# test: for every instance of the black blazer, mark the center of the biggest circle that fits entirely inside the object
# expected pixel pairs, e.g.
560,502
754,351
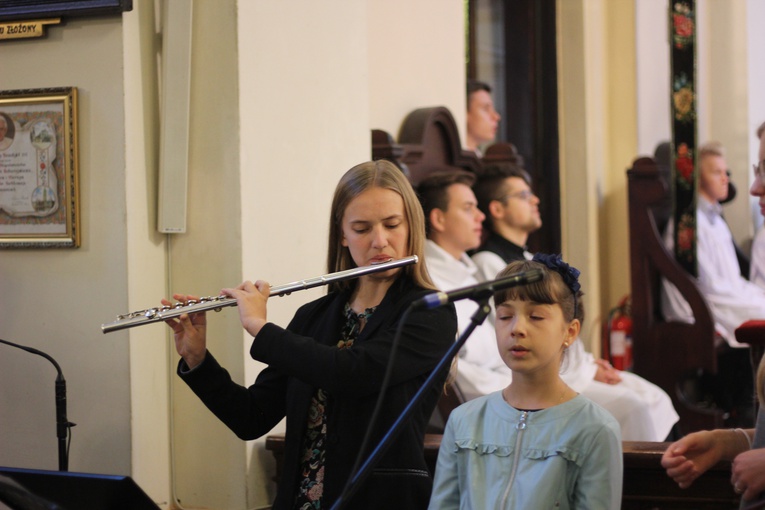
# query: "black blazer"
305,357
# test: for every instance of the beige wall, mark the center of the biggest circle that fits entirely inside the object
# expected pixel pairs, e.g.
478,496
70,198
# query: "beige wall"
146,276
55,299
652,68
208,257
610,114
724,103
622,148
583,93
414,68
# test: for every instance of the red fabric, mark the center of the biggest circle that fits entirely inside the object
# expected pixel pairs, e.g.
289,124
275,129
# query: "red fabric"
751,332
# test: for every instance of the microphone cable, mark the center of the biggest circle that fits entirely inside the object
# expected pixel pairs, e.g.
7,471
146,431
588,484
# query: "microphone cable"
350,485
355,479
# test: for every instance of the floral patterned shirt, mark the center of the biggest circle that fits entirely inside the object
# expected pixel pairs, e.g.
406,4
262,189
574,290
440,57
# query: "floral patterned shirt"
311,486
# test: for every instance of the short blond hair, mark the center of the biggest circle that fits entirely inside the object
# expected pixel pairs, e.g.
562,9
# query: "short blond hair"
711,149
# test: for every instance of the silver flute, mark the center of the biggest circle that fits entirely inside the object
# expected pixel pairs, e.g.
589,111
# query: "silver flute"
141,317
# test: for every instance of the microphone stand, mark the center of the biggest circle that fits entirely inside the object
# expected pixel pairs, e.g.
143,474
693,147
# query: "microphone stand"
62,424
356,478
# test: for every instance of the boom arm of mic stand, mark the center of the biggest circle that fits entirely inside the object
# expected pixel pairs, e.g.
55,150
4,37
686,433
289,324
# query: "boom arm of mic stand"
62,423
356,478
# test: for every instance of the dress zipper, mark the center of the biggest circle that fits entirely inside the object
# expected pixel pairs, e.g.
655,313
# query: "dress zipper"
520,427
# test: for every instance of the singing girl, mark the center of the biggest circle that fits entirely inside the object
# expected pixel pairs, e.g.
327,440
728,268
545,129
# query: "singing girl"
537,443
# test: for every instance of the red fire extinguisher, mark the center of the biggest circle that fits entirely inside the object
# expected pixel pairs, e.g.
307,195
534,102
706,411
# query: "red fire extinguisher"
619,335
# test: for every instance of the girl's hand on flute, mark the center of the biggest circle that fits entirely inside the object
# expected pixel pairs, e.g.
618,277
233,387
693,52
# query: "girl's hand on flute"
251,301
190,332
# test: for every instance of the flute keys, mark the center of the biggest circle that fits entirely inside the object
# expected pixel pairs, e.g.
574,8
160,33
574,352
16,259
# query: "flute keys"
213,299
133,315
216,303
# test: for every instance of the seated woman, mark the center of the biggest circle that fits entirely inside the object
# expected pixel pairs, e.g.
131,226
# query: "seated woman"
325,370
537,443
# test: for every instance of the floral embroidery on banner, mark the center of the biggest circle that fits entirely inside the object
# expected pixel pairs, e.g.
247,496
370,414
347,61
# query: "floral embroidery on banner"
683,26
683,99
686,237
684,129
684,165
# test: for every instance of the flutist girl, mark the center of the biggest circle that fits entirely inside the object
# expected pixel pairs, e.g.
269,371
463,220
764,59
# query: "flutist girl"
325,369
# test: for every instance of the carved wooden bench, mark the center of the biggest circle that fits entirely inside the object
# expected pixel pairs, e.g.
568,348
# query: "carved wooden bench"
646,484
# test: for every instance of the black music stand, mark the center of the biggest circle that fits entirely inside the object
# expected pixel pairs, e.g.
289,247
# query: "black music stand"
82,491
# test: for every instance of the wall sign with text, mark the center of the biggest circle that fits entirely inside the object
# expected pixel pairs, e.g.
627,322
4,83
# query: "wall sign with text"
21,19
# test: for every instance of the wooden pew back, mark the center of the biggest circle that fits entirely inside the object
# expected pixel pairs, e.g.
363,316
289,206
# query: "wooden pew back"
665,352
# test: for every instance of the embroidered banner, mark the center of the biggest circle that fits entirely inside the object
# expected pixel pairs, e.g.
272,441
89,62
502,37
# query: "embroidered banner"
684,131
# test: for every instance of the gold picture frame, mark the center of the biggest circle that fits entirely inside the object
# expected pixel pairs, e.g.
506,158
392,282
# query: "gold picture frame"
39,189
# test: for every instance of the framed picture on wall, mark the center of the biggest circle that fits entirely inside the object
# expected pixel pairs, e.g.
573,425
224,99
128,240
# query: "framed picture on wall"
39,190
30,9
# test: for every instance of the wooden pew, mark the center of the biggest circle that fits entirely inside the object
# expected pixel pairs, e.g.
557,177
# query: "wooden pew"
665,352
427,142
646,484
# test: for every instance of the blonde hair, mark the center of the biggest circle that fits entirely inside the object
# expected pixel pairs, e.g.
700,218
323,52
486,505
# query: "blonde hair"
711,149
376,174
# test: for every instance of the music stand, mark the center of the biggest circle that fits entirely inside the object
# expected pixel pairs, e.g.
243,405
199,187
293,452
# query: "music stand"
82,491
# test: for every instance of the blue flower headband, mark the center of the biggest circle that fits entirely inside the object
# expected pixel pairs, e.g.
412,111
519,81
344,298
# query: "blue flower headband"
569,274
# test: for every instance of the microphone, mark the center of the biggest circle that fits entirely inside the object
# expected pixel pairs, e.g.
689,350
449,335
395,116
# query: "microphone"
479,291
63,425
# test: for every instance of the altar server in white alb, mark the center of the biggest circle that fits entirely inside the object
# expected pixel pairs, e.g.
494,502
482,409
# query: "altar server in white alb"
453,226
644,411
732,298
